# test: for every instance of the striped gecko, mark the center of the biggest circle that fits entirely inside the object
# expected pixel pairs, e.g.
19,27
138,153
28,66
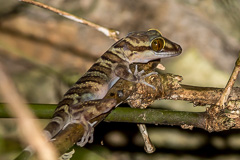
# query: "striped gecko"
83,101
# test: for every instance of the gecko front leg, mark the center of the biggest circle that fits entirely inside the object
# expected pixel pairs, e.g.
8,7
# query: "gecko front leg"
142,77
122,70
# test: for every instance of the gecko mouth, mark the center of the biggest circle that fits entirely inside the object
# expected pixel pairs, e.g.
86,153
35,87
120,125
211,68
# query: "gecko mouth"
166,54
170,50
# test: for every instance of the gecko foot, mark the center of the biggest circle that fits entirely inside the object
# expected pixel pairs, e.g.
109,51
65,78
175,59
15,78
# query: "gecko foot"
141,78
67,156
88,134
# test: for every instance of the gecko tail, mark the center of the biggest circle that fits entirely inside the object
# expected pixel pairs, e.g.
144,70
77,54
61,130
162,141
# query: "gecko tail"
26,153
57,123
52,129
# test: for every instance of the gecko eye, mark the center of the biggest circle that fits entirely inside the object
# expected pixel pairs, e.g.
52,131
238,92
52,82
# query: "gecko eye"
158,44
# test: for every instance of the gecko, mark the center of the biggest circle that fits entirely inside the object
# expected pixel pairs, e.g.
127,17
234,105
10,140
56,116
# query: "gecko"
84,100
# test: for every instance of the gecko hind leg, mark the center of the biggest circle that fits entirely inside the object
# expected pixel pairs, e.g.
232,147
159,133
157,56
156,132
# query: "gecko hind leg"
88,133
90,136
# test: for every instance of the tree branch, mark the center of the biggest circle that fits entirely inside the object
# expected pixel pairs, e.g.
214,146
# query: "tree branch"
168,87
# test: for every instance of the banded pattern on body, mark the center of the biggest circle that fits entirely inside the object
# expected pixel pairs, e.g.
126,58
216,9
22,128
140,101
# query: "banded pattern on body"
94,84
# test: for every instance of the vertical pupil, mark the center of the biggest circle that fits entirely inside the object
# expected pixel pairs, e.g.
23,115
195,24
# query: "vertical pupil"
156,44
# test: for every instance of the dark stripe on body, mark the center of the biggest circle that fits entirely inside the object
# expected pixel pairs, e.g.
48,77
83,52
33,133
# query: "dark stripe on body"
111,57
99,80
65,101
101,69
80,81
132,47
82,90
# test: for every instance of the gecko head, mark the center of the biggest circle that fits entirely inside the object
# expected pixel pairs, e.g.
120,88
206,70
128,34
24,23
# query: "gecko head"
162,46
150,45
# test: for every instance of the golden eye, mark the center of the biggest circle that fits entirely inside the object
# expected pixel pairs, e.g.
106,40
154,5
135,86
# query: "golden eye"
158,44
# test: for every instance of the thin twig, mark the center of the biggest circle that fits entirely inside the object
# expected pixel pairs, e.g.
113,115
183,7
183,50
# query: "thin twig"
224,97
148,145
29,128
108,32
218,119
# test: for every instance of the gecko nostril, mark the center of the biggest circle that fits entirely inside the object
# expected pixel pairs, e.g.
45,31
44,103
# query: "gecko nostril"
179,48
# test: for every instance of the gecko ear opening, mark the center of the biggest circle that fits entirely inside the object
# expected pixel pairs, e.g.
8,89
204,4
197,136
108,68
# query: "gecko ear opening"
158,44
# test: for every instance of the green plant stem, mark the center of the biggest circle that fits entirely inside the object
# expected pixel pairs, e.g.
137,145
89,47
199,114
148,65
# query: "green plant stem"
156,116
127,114
42,111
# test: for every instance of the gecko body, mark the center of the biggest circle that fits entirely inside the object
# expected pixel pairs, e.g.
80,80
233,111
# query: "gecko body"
83,101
